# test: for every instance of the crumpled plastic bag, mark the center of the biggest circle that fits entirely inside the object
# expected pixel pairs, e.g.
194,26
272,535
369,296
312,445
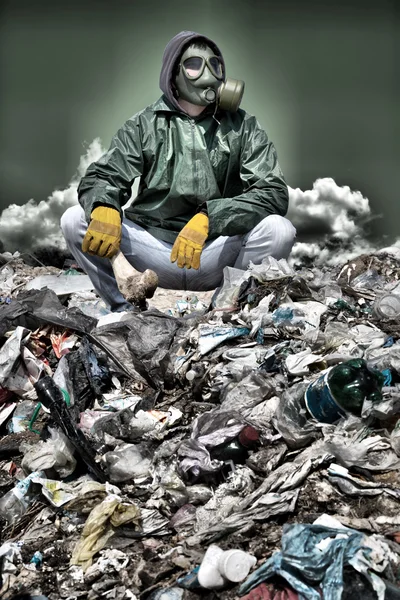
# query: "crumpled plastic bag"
293,420
316,554
10,557
270,269
265,460
99,528
225,498
80,495
209,430
110,561
395,438
247,393
261,416
357,486
19,368
56,453
386,408
168,484
229,291
294,317
133,425
32,308
266,506
289,475
151,342
126,462
212,335
22,416
277,494
373,453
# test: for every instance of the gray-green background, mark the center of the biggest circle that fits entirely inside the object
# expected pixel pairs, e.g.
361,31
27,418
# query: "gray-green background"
321,77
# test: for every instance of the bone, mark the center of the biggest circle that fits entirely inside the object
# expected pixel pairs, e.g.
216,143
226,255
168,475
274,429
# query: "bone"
133,285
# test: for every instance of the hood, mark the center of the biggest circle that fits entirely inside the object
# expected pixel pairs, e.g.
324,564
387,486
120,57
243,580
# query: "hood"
172,52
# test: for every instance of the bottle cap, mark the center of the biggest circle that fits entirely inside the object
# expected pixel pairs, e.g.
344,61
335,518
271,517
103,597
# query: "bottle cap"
248,436
235,565
193,372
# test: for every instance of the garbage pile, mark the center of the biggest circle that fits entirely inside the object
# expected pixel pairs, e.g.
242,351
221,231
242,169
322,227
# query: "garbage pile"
243,448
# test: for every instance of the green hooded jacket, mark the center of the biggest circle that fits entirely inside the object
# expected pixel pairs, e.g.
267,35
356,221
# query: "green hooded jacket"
227,162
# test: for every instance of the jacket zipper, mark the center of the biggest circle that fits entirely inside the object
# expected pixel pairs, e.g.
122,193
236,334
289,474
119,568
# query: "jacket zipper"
194,157
194,187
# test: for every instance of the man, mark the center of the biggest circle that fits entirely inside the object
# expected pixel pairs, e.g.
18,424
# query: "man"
211,191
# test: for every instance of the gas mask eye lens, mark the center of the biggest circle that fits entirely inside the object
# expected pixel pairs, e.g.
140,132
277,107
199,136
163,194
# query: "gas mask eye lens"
193,66
216,66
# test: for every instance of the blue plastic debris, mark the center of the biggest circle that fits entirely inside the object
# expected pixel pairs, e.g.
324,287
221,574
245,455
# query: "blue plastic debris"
313,556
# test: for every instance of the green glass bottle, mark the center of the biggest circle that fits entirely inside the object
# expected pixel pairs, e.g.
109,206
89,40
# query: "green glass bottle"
353,382
342,390
237,450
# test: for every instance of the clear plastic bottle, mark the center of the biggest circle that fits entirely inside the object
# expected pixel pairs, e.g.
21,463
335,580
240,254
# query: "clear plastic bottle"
387,306
15,502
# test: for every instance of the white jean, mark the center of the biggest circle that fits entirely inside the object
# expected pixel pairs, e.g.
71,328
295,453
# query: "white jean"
273,236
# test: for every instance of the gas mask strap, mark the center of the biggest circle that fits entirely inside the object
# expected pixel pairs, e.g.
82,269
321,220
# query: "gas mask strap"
214,117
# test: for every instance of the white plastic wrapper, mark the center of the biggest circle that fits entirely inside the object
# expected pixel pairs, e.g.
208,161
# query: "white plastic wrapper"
212,336
56,453
19,368
61,284
126,463
80,495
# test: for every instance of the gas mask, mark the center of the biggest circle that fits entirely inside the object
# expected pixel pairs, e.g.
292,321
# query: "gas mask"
201,80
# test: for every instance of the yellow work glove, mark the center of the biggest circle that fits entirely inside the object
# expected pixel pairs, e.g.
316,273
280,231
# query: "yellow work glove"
103,236
190,242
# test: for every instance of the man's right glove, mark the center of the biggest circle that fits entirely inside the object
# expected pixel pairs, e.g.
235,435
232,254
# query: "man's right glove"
103,236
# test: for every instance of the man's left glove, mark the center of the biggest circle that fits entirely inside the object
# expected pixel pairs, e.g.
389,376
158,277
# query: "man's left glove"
190,242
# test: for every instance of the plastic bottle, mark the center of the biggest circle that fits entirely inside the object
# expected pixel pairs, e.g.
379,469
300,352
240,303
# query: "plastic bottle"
194,372
387,306
237,450
235,565
220,567
342,389
12,506
37,559
15,502
331,292
370,280
93,309
52,397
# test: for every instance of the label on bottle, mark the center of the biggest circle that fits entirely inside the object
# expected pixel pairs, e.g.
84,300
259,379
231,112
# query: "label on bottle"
320,402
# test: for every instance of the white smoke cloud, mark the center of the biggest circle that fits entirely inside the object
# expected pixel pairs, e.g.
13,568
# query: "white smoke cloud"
334,218
33,224
329,218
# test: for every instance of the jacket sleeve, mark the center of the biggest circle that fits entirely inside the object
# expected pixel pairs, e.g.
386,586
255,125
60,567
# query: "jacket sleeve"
264,188
108,181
